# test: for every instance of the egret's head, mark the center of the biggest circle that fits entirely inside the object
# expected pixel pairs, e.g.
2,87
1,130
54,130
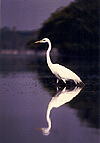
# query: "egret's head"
45,131
44,40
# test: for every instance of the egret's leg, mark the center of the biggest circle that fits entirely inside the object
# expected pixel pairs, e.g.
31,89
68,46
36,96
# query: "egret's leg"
64,81
57,80
57,89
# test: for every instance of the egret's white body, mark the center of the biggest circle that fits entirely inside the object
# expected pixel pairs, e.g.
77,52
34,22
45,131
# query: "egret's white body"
61,72
58,100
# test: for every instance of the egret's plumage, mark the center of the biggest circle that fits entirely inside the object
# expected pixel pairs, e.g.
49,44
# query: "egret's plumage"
61,72
61,97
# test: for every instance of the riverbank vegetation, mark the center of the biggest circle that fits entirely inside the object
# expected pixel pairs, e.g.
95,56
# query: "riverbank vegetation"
73,30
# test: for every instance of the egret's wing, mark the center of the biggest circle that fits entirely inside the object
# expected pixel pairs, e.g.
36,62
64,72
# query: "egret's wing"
64,73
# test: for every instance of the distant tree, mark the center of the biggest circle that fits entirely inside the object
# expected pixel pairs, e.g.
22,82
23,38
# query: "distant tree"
15,40
5,28
14,28
74,26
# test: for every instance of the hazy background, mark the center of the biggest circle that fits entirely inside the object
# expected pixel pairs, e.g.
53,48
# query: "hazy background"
28,14
26,83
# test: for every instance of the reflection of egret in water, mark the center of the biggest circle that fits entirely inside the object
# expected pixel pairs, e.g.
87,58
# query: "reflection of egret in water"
59,99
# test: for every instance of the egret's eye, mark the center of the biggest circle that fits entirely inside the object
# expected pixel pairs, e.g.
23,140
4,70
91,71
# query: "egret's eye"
43,40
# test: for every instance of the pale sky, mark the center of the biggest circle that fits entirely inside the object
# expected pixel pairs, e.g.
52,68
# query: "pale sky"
28,14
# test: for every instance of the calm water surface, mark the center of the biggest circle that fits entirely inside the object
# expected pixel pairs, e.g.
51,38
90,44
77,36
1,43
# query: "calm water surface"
28,94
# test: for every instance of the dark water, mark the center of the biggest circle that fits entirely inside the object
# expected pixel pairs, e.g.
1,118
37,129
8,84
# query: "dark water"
28,94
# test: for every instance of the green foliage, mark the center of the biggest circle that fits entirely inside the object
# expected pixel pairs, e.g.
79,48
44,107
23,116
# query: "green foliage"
15,40
74,27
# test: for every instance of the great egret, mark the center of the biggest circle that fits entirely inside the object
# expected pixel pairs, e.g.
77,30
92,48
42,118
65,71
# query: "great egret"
61,97
61,72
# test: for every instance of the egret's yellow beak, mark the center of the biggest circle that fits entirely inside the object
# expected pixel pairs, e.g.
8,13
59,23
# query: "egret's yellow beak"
38,128
37,42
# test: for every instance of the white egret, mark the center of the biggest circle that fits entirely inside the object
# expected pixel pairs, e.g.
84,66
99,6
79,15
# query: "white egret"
58,100
61,72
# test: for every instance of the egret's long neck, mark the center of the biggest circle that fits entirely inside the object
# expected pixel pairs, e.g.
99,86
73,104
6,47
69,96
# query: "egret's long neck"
48,117
48,54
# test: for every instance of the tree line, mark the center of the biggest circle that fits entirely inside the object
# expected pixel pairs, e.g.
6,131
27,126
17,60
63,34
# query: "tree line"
73,30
